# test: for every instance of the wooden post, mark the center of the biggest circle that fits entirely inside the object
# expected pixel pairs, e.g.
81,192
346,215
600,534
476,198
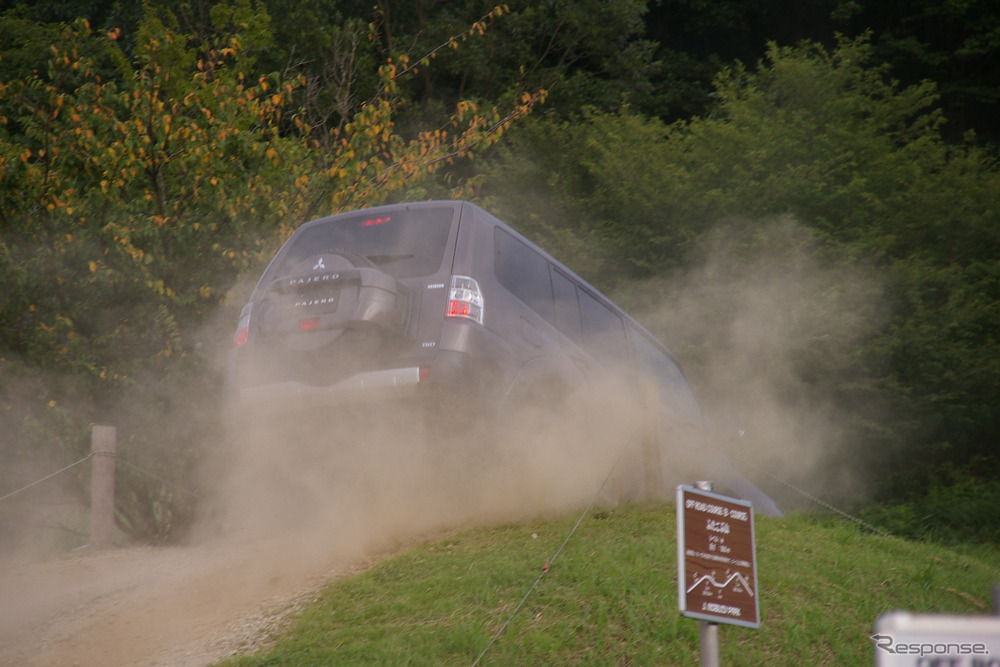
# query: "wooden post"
102,487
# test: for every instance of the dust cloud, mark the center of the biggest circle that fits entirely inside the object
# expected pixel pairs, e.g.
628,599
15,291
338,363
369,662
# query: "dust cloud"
41,509
372,477
766,329
769,333
365,477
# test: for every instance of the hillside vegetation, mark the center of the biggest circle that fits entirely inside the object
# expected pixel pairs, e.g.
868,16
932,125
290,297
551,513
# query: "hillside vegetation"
610,597
812,226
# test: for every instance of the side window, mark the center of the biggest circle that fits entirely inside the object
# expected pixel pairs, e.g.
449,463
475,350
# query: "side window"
567,306
524,272
603,331
663,376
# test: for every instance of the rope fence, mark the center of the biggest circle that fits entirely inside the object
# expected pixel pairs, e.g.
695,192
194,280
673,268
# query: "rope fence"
118,459
551,560
822,503
46,478
104,458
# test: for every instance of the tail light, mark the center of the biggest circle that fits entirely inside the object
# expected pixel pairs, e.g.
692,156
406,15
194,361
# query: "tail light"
243,328
465,299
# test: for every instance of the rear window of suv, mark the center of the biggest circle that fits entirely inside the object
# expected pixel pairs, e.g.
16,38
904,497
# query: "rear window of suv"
403,243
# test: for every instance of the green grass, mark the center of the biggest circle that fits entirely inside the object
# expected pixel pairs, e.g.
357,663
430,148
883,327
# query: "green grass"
610,598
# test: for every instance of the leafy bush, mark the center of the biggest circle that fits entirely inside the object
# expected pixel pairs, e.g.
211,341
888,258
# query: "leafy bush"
957,508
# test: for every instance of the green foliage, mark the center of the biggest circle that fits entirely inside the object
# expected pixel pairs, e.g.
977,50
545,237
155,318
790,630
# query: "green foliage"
660,56
956,509
611,597
584,52
332,53
951,43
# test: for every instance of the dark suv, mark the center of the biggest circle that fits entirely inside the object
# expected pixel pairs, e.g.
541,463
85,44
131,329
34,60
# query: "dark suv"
438,301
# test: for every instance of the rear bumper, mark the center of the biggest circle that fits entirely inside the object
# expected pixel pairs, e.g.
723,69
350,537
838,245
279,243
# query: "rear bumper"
452,380
465,371
401,381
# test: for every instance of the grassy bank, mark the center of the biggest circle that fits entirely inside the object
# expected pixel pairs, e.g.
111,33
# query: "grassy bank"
610,597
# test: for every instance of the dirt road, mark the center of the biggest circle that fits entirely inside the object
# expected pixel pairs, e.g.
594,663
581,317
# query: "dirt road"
171,606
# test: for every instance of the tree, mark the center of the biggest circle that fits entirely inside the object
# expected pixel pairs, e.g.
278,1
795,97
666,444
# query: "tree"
952,43
133,204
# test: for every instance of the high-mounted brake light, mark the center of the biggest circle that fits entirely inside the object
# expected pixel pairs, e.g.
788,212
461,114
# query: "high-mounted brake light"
242,335
309,324
465,299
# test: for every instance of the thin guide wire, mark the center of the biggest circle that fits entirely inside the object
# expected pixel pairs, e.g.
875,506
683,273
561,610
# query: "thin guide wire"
47,477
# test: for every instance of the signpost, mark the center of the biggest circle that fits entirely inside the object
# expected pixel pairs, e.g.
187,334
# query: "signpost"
716,557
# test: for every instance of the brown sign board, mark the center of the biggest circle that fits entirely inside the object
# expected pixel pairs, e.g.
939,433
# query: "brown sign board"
716,558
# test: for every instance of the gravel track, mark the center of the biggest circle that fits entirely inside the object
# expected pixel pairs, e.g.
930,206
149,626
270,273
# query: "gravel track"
176,606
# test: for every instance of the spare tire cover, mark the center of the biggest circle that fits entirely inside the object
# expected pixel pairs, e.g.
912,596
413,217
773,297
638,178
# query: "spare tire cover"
320,298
